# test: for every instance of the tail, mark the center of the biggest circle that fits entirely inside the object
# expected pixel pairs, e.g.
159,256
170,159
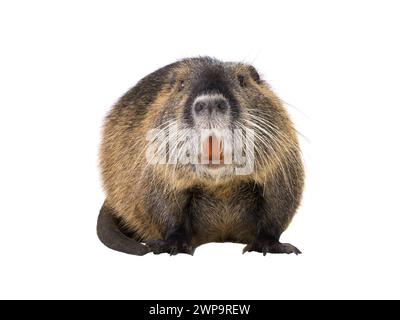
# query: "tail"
111,235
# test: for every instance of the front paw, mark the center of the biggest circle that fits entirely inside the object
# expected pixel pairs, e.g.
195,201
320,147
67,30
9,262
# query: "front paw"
270,246
171,246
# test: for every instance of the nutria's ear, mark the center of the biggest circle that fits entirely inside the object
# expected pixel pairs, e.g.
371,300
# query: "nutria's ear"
254,74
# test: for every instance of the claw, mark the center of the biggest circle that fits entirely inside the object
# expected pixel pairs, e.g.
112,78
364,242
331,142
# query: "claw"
171,247
246,249
269,246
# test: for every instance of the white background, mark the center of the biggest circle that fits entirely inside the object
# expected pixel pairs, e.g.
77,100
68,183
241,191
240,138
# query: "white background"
64,63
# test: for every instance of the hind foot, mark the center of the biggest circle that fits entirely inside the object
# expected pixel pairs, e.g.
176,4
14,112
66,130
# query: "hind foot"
171,246
270,246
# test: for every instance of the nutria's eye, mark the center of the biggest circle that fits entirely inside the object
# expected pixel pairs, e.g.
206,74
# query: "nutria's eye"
181,85
242,80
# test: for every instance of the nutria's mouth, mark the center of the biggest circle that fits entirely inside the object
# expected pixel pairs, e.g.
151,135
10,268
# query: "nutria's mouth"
214,166
213,152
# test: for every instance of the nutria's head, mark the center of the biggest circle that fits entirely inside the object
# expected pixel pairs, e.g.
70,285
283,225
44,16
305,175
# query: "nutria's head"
214,111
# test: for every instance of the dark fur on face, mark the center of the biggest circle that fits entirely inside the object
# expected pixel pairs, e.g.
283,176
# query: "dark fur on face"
174,208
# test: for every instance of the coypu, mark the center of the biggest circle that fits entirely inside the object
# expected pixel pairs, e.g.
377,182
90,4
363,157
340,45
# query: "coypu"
176,206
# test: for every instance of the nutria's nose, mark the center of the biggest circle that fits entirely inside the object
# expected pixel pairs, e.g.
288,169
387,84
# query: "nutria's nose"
209,104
